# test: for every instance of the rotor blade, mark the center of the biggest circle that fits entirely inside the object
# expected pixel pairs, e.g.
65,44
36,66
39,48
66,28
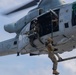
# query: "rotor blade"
33,3
37,0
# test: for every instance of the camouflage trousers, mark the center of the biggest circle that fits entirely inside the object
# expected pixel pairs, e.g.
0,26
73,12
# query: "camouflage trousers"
54,60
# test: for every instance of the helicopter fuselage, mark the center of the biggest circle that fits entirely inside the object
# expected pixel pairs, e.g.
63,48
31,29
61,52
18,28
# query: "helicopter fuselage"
62,32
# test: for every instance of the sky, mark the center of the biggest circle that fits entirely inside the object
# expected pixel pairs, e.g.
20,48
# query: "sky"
26,65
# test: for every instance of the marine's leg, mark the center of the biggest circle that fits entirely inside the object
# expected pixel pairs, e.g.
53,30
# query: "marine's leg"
54,60
39,38
59,58
32,42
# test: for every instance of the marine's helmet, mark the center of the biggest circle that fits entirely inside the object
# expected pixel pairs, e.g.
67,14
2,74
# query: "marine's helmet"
49,40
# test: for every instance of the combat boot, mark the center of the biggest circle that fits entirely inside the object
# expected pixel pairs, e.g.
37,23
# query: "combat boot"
55,72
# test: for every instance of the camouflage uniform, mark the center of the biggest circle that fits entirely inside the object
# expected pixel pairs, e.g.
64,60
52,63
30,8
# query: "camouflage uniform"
32,35
37,30
51,55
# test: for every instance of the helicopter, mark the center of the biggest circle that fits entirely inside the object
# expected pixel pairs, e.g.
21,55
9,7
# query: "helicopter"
62,31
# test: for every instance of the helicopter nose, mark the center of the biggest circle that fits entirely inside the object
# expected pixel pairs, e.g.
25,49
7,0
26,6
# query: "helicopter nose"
9,28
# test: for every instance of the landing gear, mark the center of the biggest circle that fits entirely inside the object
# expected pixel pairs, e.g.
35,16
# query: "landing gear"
55,74
70,58
18,53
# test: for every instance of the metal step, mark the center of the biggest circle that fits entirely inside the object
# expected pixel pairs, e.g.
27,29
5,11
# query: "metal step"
66,59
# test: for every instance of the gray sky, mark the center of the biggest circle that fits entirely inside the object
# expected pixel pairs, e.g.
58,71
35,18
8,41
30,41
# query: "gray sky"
26,65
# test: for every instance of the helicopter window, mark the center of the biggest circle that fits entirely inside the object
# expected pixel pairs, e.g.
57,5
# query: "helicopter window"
46,23
67,10
15,42
74,15
40,11
25,23
66,25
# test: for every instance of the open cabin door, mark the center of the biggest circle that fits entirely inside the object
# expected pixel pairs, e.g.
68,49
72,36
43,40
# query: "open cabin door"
47,27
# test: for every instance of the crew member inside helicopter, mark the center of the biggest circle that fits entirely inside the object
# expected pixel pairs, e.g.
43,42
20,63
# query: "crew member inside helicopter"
34,33
51,55
37,30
